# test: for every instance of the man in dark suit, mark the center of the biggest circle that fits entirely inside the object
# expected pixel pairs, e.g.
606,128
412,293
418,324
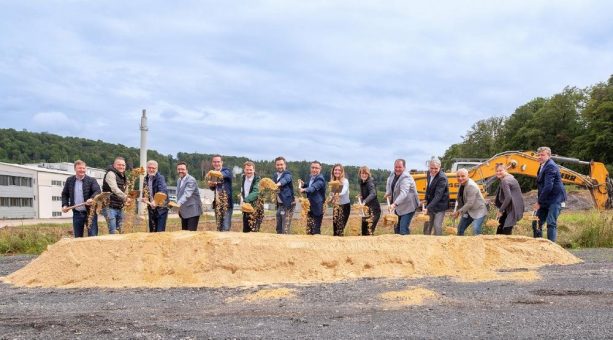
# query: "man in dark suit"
155,183
79,189
551,194
437,198
188,199
223,204
285,198
315,189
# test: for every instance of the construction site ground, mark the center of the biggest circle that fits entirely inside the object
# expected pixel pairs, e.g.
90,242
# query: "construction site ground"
573,301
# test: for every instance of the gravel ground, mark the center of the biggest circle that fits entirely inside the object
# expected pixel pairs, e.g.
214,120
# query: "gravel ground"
569,302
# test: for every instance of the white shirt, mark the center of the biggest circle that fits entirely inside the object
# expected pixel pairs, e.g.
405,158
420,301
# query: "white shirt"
247,185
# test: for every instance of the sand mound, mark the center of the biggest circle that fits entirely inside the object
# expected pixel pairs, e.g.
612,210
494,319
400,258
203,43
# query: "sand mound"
265,294
212,259
413,296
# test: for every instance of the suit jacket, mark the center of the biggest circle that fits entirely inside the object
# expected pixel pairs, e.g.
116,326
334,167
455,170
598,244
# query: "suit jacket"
437,193
510,200
405,193
158,185
549,184
188,197
471,201
254,189
91,188
316,193
286,190
226,186
368,191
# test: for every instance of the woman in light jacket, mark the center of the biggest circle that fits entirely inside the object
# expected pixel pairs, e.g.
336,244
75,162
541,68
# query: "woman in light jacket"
470,204
342,205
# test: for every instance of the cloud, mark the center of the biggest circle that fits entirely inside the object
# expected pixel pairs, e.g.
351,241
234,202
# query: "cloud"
54,121
352,82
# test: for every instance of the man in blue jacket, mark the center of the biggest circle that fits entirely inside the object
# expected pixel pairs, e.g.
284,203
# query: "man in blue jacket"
551,194
155,183
223,203
285,197
315,189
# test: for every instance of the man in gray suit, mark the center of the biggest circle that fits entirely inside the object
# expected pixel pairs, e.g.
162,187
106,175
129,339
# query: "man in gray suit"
188,199
470,203
402,193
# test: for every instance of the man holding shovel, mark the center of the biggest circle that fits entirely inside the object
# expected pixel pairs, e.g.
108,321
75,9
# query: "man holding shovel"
78,194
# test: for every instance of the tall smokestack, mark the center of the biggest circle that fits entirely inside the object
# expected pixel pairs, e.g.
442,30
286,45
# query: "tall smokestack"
143,155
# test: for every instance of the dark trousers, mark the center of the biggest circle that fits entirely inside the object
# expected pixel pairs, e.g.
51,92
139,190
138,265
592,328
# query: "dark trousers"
339,222
247,218
375,215
157,219
190,223
501,229
79,219
314,223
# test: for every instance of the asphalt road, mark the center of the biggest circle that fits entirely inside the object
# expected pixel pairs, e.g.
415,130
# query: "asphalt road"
570,302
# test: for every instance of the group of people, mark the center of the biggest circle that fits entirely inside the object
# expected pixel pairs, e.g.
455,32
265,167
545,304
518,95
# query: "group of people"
401,195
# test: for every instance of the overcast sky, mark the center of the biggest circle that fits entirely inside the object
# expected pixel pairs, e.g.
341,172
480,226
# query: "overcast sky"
355,82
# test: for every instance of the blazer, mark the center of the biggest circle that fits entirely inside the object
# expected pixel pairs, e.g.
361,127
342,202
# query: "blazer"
471,201
226,186
368,191
405,193
188,197
510,200
437,193
91,188
316,193
158,185
254,189
286,190
549,184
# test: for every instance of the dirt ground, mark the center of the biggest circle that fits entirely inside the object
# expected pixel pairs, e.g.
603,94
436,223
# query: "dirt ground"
574,301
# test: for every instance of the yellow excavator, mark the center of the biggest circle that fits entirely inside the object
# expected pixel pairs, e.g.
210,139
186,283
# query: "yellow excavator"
526,163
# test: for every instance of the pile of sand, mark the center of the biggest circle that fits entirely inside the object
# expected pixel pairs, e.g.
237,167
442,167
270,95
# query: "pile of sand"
412,296
212,259
265,294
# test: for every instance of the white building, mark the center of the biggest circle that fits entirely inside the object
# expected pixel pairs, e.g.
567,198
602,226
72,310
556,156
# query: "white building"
35,190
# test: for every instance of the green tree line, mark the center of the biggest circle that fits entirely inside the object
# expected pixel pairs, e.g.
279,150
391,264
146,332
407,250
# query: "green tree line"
32,147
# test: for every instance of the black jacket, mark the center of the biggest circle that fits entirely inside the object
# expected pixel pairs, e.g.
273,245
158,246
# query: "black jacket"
368,192
90,189
116,201
437,193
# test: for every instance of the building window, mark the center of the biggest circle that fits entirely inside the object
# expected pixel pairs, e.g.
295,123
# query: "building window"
56,214
57,183
15,180
56,198
16,202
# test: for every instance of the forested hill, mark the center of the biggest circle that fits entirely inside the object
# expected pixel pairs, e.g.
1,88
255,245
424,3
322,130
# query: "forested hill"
32,147
574,123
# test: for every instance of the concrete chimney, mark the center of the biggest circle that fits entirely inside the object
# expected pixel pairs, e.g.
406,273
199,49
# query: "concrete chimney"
143,155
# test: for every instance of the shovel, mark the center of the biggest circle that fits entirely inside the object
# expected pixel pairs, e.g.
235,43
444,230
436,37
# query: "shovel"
537,230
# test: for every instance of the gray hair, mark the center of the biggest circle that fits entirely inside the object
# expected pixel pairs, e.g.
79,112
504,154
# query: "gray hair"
545,149
435,161
153,162
464,171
